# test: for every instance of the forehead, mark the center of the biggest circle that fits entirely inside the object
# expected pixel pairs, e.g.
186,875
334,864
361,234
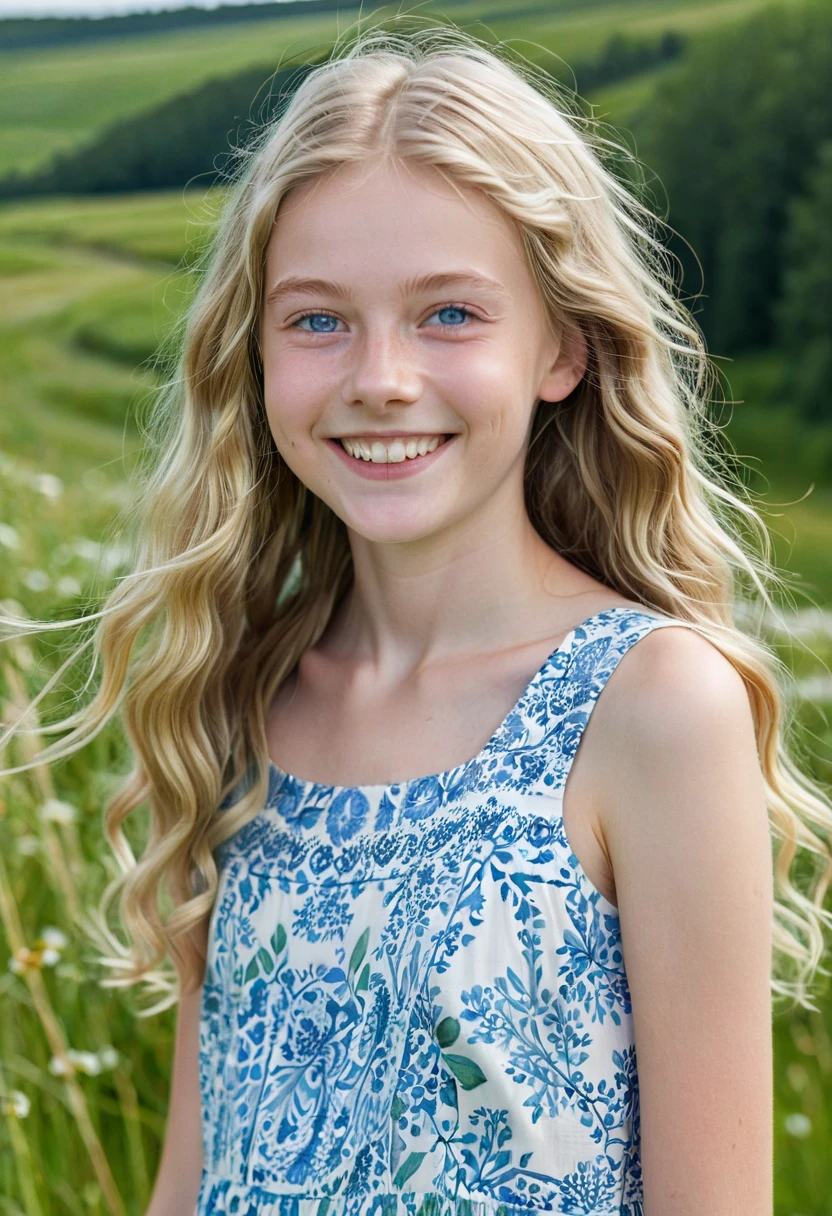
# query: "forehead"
392,220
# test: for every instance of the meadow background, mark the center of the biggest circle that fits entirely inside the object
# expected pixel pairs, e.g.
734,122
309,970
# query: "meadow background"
113,138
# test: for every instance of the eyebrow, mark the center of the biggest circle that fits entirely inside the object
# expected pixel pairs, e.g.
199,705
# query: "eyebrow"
295,285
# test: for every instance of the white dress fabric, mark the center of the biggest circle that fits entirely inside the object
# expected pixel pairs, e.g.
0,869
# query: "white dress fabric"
415,1000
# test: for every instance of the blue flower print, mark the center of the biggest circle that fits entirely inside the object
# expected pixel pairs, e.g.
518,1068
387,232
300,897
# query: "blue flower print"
346,815
415,1000
324,915
422,799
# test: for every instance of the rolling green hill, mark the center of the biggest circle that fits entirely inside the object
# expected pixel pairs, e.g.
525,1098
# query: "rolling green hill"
57,98
189,139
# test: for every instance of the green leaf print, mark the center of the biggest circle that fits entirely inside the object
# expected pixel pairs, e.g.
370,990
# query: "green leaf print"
407,1169
358,951
467,1072
266,960
251,971
431,1206
447,1032
364,979
277,941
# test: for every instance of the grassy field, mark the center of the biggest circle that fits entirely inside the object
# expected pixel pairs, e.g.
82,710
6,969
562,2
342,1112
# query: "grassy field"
90,287
54,99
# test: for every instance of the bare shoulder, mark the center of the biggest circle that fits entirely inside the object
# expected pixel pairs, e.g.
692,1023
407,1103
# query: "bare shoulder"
675,715
674,677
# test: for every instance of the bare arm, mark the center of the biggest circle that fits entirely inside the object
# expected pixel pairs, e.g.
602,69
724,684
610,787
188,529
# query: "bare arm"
684,816
180,1169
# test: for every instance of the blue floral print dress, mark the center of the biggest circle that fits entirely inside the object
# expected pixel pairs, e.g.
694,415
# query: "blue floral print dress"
415,1000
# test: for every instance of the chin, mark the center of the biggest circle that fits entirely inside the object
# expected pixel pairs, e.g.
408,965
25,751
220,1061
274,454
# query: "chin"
389,531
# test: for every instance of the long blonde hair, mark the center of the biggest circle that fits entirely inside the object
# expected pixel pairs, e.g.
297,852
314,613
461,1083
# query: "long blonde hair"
238,568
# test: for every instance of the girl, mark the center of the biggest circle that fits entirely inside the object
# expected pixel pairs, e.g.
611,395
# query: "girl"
433,510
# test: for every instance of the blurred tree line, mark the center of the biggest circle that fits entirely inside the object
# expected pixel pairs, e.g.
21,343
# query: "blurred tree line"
739,137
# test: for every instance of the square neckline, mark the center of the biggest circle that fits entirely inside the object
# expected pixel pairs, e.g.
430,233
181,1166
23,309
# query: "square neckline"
304,786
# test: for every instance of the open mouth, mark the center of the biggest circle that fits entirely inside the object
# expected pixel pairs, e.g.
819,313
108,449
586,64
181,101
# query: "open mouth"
397,452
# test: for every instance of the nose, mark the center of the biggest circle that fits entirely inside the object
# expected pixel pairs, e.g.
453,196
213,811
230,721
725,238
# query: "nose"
382,371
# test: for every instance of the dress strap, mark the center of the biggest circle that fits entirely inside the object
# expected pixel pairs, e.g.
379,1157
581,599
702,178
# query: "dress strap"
568,693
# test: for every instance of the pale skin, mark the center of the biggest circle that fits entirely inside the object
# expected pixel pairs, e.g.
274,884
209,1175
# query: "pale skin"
457,601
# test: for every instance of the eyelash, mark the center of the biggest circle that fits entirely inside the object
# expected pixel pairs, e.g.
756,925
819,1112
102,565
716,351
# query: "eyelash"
323,312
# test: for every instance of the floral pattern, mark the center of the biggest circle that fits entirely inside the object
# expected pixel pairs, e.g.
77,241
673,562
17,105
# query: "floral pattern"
415,999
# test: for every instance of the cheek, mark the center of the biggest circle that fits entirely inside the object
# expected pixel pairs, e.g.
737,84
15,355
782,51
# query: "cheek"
293,399
492,397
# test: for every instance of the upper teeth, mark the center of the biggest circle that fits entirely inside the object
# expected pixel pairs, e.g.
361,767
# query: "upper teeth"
393,451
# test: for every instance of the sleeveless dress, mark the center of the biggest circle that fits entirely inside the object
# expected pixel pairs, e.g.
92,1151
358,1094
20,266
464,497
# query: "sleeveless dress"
415,1000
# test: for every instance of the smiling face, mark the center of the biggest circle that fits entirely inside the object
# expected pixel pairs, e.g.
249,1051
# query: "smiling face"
418,329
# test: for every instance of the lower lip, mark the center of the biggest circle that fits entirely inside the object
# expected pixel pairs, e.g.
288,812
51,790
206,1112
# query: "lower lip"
392,470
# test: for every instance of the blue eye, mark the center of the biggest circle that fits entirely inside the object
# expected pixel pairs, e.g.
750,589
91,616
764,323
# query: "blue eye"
451,308
328,316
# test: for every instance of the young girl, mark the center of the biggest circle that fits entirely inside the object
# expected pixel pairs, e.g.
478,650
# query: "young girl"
431,512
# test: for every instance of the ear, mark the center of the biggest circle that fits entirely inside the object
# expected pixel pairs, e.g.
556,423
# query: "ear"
568,366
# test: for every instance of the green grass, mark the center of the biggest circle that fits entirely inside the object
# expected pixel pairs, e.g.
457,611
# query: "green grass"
91,285
165,228
60,97
581,31
54,99
621,104
790,466
92,288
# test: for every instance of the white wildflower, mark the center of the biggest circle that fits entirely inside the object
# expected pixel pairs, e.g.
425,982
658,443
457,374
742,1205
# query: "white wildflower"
86,1061
16,1103
114,558
798,1125
37,580
107,1056
59,1067
25,958
53,937
9,536
67,585
58,812
88,549
815,688
48,484
28,844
